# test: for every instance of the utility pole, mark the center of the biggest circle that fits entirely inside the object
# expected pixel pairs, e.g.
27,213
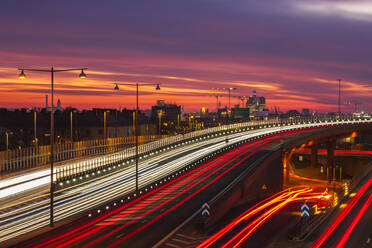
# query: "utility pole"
52,71
35,137
71,132
217,102
136,132
7,142
136,127
134,122
339,97
52,150
178,122
104,124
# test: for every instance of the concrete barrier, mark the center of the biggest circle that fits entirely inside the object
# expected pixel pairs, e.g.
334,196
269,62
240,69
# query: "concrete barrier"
248,187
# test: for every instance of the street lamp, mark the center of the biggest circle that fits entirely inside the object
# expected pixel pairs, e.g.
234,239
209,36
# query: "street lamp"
339,97
229,90
22,75
136,122
35,133
160,114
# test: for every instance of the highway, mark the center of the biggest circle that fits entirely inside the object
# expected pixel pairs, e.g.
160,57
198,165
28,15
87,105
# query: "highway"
17,218
40,179
237,232
166,205
351,227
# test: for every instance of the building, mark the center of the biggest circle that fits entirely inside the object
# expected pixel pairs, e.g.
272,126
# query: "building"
240,113
306,112
168,112
257,105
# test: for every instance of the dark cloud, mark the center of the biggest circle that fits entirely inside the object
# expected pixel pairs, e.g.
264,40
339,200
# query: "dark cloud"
271,41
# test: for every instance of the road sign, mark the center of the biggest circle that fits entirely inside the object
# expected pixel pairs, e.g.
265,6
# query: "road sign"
305,210
206,210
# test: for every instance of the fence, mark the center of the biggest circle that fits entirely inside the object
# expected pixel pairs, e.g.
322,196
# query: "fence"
70,170
18,159
14,160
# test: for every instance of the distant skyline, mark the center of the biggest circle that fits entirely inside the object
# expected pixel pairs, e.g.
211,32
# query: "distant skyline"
290,51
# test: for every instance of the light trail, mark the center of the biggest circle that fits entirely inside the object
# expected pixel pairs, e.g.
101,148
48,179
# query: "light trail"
76,199
40,178
270,206
94,229
117,242
355,221
72,201
331,228
111,224
357,152
313,180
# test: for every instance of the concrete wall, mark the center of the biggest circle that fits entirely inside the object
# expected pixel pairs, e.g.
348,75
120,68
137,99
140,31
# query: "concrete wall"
249,188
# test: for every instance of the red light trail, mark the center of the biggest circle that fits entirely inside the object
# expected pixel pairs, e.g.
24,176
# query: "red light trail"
355,221
183,183
270,206
328,232
153,205
336,151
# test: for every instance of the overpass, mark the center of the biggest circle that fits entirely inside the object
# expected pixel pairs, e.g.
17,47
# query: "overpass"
156,170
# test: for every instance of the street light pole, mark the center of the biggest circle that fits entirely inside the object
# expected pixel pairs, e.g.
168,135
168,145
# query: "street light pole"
71,138
178,122
52,150
35,133
7,142
52,71
159,119
136,122
104,125
229,99
136,132
339,97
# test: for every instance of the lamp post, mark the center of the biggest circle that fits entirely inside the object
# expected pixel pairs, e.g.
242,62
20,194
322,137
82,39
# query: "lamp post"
178,122
104,125
7,143
230,89
339,97
136,119
71,132
22,75
35,134
160,113
134,122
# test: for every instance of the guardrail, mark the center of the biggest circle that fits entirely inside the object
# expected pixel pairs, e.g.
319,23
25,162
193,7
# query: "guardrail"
15,160
30,157
76,171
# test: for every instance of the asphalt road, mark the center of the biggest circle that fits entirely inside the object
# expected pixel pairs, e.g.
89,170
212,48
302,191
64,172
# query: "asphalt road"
142,223
22,218
358,228
137,232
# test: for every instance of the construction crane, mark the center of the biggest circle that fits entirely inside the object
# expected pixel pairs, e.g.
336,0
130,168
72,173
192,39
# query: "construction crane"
228,89
218,103
357,104
242,99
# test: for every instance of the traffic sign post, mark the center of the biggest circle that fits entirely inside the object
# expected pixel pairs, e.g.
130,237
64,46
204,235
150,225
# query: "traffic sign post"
305,210
206,210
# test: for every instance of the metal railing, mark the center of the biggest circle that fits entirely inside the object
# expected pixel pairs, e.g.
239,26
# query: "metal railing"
30,157
122,147
110,161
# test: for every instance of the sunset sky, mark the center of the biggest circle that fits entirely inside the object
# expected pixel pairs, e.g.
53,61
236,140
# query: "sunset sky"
290,51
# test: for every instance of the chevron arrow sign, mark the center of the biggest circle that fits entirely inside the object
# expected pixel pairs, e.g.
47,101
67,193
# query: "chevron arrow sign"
206,210
305,210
